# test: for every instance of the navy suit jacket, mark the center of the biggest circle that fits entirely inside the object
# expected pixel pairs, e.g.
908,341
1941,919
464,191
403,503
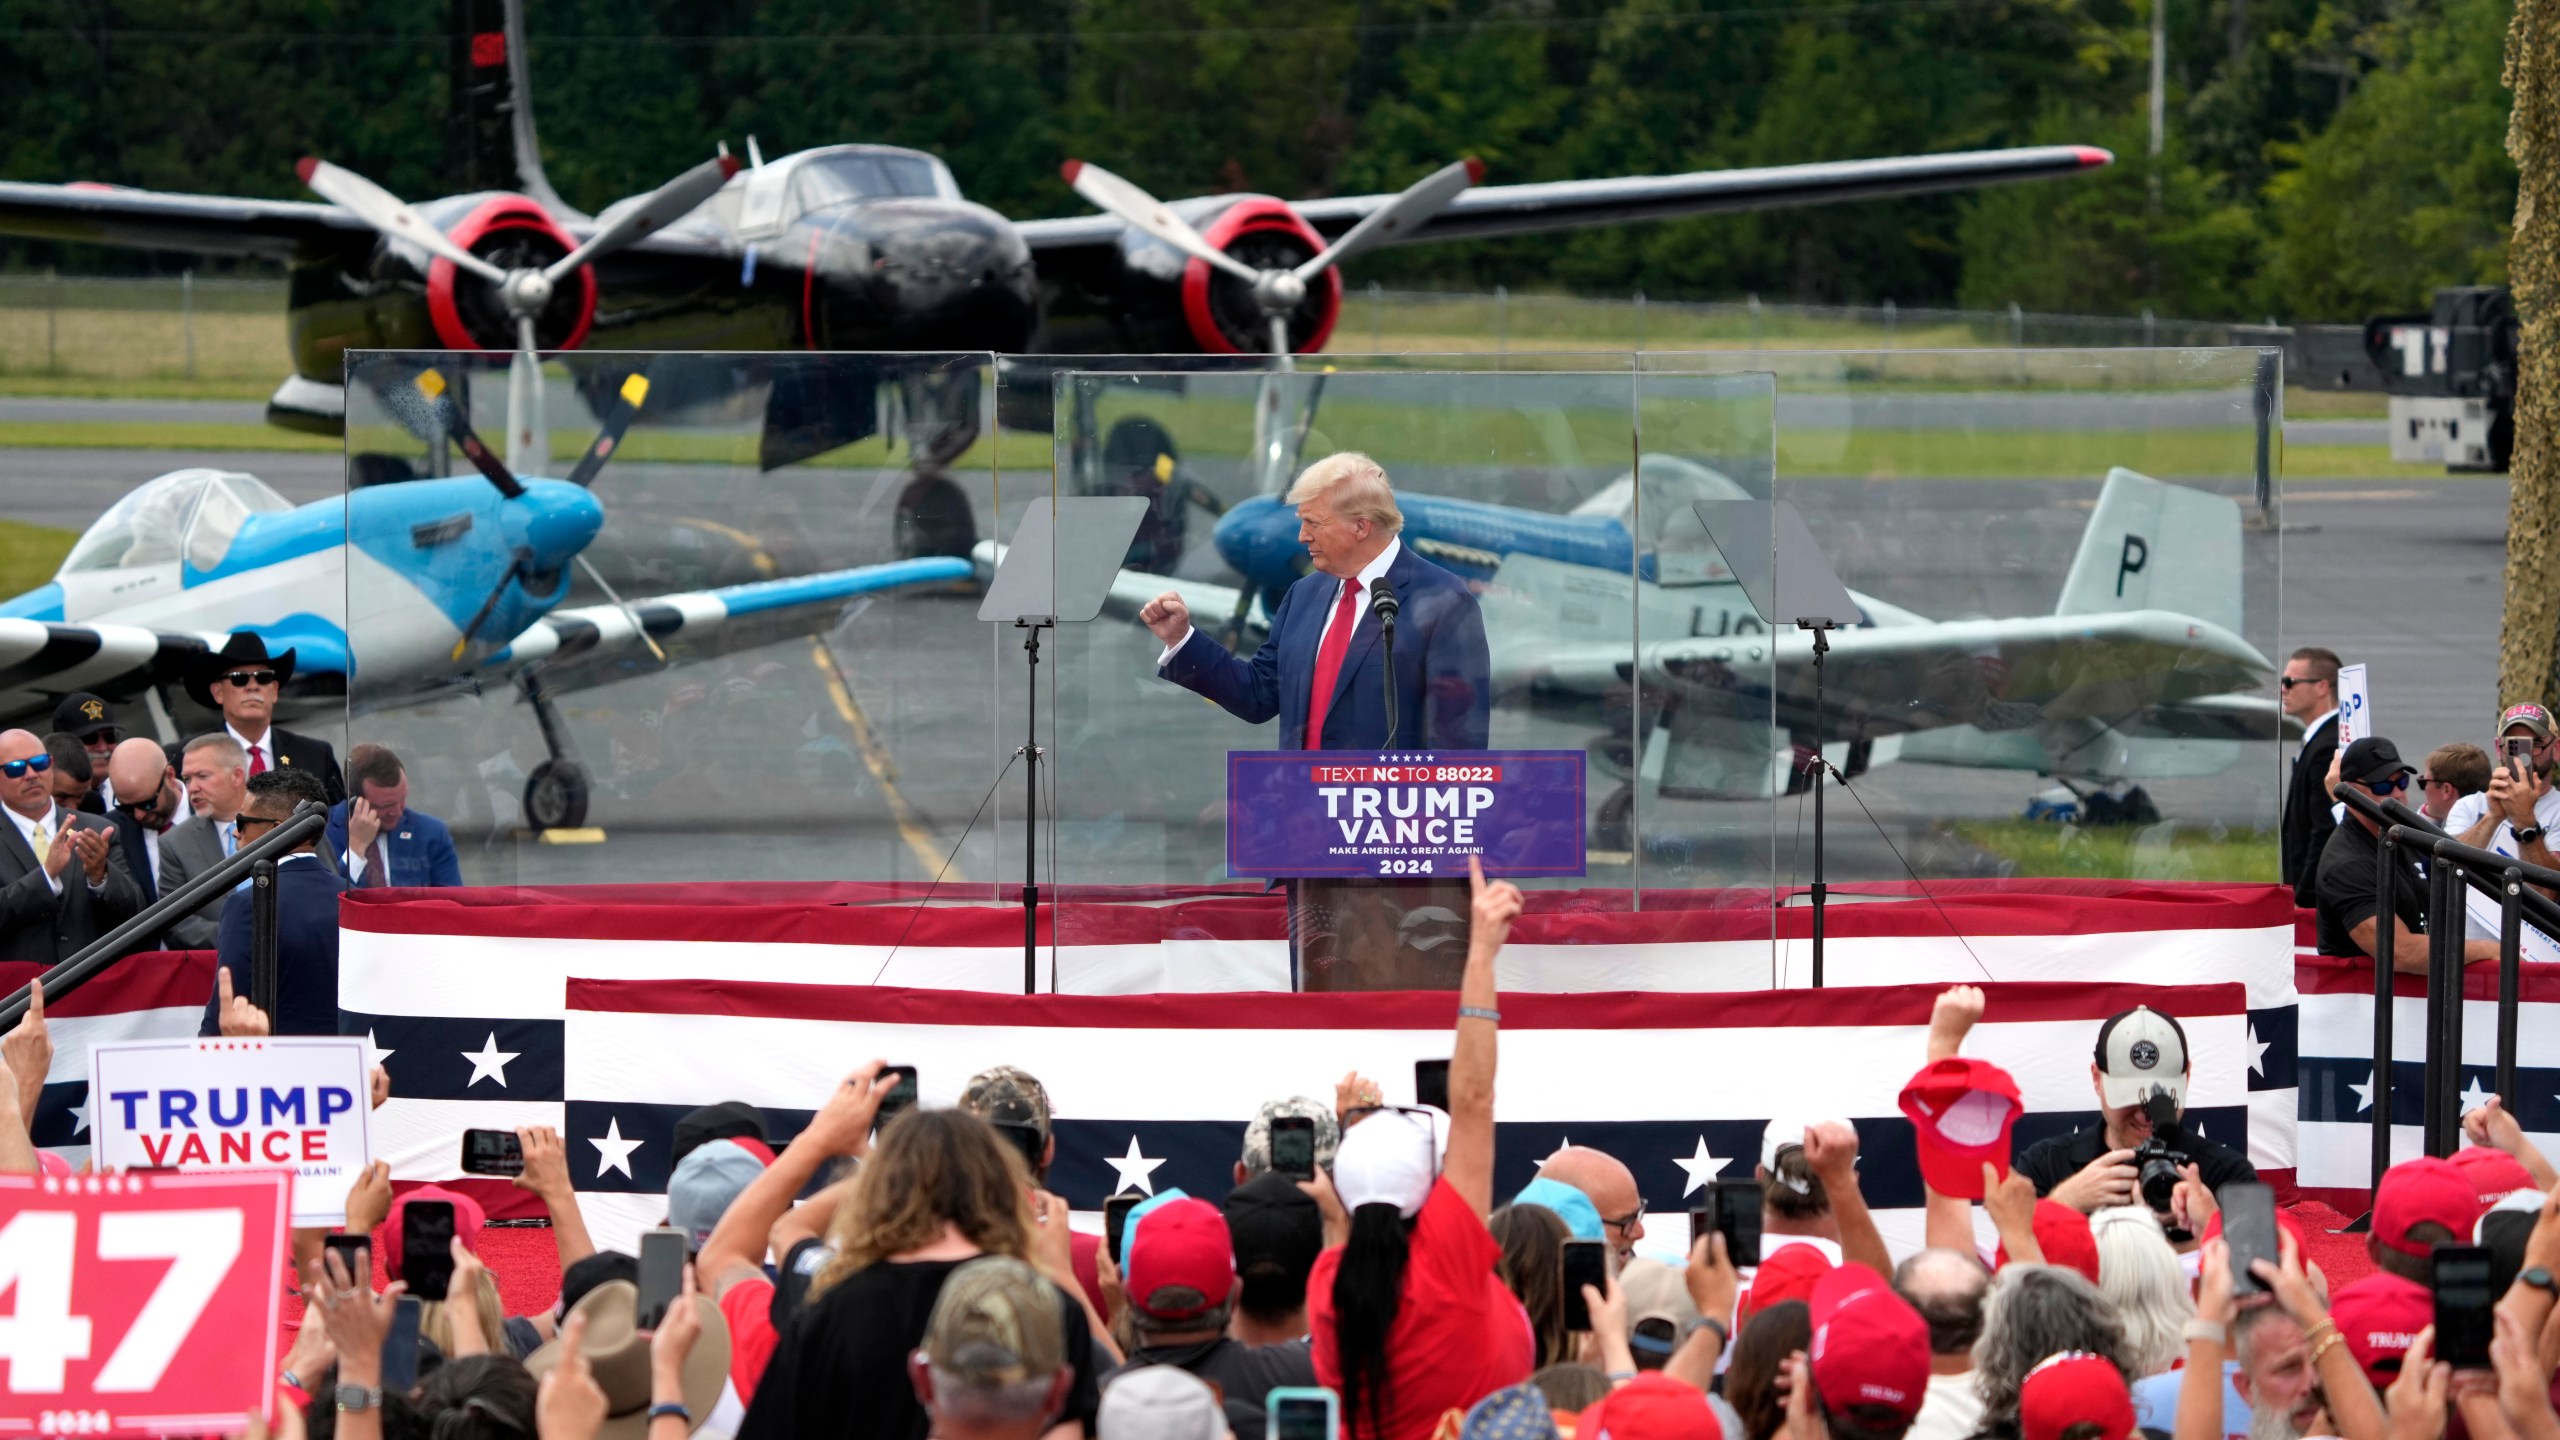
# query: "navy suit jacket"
419,853
1443,673
306,949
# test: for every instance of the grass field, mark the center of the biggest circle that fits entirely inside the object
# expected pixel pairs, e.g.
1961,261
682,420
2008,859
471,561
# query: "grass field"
2155,852
29,554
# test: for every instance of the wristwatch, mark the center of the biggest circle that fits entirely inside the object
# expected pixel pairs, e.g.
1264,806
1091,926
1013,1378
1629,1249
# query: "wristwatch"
2540,1279
2528,834
356,1399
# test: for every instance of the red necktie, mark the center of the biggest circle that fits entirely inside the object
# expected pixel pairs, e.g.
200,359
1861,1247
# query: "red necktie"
1337,642
257,759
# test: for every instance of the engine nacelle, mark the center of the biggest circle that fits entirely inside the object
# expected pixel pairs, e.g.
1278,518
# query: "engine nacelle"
1157,300
512,233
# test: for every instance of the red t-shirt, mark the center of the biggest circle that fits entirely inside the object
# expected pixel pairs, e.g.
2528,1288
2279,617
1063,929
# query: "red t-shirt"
1459,1335
748,1307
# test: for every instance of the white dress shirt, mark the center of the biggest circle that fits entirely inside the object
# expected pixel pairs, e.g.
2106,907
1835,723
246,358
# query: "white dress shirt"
39,834
1370,575
151,837
265,743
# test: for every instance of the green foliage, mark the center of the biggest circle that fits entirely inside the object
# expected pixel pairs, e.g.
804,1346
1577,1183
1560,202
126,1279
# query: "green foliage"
2326,158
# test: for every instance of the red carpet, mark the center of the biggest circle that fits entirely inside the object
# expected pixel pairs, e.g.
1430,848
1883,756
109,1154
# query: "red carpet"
2340,1257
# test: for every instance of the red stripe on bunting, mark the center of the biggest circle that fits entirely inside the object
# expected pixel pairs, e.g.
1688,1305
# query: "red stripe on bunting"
1385,1010
2335,975
153,980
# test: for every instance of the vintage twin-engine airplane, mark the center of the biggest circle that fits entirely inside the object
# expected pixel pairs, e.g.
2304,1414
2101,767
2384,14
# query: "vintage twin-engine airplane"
415,588
2140,672
856,248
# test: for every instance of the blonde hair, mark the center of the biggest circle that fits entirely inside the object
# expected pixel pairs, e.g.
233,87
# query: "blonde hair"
2139,1271
929,1168
1358,486
436,1318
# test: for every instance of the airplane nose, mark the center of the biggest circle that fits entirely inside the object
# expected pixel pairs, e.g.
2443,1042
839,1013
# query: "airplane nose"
560,520
951,275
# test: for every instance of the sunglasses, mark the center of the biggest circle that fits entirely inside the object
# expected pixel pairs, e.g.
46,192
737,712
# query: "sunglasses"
250,677
32,765
139,808
2289,681
2392,786
245,821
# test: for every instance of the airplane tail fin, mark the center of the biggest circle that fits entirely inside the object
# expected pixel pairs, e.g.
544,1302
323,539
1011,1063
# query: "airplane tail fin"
490,144
2151,546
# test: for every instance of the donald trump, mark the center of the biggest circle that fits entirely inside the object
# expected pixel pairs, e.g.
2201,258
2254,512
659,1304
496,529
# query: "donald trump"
1323,673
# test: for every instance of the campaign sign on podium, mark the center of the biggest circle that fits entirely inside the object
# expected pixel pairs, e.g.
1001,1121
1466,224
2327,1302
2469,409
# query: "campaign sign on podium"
1314,814
140,1304
299,1103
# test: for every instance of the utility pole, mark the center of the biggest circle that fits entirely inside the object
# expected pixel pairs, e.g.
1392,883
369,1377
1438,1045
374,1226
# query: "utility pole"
2159,94
2526,650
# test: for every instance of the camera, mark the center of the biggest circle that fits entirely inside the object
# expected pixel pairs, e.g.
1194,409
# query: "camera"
2157,1163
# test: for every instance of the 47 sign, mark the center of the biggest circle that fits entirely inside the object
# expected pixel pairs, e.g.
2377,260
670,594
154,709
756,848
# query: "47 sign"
139,1304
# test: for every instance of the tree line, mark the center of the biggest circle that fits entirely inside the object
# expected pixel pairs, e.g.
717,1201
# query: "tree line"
2323,159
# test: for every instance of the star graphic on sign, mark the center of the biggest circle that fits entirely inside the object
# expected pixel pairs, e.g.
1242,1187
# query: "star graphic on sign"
1134,1169
2364,1092
374,1048
2258,1051
2473,1097
490,1063
1702,1168
614,1152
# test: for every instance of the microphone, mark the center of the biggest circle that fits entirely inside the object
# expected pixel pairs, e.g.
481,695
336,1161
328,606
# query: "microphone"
1384,605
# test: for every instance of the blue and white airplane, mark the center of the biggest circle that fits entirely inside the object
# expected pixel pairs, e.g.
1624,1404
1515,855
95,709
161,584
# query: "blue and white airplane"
410,588
2140,671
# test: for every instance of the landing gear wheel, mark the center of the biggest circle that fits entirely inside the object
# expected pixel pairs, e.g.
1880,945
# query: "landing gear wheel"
934,518
555,798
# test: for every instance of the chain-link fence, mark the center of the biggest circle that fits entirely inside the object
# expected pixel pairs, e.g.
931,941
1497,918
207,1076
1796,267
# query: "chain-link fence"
174,328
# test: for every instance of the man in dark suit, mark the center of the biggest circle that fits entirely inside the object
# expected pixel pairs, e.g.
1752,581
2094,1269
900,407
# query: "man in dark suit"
2310,684
377,839
242,682
149,803
87,717
1322,673
306,917
63,881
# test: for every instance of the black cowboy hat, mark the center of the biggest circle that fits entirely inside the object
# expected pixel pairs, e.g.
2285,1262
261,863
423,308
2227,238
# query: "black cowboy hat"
244,649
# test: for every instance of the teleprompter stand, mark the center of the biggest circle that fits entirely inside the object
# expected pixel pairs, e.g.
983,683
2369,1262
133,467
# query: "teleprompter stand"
1058,570
1782,571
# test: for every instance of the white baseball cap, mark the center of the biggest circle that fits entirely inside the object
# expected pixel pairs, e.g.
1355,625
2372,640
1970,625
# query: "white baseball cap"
2141,1051
1391,1158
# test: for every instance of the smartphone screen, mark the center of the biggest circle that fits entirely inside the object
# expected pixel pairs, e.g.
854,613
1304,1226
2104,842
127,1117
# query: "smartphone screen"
1586,1262
1737,1207
661,1274
1115,1218
2249,1229
1702,1222
356,1253
1431,1083
1293,1146
400,1348
1302,1413
492,1152
426,1247
2464,1321
902,1096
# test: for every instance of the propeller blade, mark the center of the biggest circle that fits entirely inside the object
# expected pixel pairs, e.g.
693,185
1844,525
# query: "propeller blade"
1108,192
670,203
387,213
1423,199
528,428
490,605
458,425
634,392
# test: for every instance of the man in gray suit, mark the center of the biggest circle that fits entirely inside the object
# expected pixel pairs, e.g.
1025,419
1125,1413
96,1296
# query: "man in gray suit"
63,881
215,771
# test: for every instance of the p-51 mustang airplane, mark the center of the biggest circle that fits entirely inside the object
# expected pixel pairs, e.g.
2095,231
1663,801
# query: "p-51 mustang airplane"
417,588
2113,685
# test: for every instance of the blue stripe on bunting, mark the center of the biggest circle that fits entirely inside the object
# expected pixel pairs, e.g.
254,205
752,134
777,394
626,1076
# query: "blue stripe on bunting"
1199,1156
2279,1029
2334,1089
54,1122
430,1055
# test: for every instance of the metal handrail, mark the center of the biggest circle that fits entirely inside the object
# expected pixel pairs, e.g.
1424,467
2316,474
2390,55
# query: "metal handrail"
155,919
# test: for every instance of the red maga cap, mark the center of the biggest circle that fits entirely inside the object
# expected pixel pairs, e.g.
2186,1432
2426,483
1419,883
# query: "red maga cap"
2074,1388
1869,1346
2414,1192
1961,1112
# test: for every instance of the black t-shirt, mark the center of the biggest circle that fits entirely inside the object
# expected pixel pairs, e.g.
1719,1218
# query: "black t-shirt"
2347,887
841,1368
2050,1162
791,1282
1245,1374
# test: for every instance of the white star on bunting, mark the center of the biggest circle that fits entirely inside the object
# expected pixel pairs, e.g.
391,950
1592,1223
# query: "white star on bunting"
2364,1092
1134,1168
1702,1168
490,1063
614,1152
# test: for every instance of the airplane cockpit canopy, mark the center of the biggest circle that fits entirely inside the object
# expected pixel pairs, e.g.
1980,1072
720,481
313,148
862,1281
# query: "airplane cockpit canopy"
190,514
771,196
1665,526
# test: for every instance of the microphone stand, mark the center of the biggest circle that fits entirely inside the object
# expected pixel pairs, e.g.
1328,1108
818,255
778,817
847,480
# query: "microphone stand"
1384,605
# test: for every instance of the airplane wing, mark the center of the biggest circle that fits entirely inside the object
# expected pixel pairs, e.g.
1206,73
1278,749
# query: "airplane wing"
695,624
1566,204
40,662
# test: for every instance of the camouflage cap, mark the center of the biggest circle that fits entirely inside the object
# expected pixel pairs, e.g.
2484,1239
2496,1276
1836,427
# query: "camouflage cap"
996,1323
1257,1136
1007,1095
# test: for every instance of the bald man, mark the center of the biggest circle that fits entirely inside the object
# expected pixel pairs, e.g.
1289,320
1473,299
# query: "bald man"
149,800
1611,1188
63,881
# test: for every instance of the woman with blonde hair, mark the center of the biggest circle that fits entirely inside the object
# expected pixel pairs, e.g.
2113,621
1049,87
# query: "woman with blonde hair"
2139,1272
939,1188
